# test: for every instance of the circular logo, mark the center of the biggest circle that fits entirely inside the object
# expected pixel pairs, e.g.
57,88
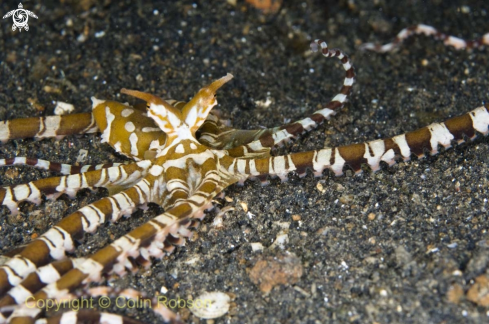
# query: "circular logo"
20,17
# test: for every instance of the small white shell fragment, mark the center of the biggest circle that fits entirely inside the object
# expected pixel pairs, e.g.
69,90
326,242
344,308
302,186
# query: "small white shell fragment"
250,215
192,260
320,187
264,103
255,247
82,156
244,206
457,273
63,108
280,241
218,222
211,305
100,34
81,38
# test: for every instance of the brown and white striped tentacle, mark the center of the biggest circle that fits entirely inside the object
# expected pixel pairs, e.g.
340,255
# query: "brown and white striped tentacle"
171,228
84,123
153,239
51,273
457,43
93,316
43,127
129,294
287,132
62,168
60,126
84,316
371,153
257,140
53,244
120,176
34,282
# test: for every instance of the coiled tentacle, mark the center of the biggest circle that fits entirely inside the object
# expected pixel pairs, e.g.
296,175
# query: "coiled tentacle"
257,140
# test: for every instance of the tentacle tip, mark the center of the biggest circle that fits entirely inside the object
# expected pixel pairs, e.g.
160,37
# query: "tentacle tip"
366,47
214,86
317,44
314,47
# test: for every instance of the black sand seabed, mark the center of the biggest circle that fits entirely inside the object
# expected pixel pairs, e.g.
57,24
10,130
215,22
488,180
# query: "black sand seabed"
430,226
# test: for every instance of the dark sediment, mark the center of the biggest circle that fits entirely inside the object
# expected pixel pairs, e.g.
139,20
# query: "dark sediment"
386,247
